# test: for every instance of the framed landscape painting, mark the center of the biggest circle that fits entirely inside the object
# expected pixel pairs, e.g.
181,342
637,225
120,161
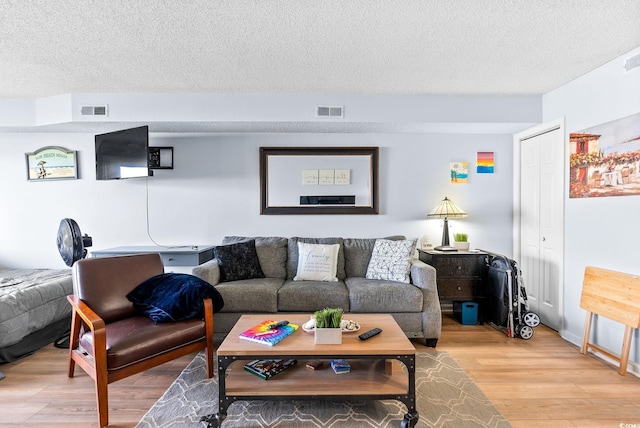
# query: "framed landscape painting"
604,160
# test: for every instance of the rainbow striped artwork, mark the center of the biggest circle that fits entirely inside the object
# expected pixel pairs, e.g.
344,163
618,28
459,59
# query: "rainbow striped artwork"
485,163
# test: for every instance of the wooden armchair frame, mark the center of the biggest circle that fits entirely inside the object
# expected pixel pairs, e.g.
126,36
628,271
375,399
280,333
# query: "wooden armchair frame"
95,364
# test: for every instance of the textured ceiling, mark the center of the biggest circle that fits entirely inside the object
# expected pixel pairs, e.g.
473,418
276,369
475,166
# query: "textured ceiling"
480,47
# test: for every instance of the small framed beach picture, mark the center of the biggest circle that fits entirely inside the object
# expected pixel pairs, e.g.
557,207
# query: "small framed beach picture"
459,172
51,163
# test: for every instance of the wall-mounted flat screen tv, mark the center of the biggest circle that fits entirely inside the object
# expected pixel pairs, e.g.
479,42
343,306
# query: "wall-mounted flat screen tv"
122,154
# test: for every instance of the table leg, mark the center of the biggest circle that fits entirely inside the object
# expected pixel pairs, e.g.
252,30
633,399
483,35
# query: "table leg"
215,420
410,420
212,421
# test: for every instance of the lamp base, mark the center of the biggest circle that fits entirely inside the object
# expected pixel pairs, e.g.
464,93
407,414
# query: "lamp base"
445,248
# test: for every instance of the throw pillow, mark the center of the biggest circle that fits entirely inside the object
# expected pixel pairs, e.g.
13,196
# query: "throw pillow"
272,253
238,261
391,260
317,262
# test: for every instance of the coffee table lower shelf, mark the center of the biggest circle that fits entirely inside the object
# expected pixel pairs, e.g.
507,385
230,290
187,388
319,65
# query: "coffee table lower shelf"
372,377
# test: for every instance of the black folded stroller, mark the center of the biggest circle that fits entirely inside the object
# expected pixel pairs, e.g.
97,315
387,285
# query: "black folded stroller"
505,304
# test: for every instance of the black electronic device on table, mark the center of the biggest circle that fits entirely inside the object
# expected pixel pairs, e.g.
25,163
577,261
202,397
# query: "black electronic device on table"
369,334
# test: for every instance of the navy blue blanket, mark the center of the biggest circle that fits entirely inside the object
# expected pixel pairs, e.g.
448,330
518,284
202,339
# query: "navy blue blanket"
174,297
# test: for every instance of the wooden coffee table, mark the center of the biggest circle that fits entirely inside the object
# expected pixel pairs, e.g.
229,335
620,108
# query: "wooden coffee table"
382,367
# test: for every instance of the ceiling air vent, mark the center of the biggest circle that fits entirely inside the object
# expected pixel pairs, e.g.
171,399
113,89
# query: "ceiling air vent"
329,111
94,110
631,63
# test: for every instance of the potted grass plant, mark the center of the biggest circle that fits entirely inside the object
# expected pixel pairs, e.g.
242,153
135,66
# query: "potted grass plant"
328,331
461,242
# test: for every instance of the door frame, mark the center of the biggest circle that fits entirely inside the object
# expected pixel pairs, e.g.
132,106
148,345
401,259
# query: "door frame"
517,170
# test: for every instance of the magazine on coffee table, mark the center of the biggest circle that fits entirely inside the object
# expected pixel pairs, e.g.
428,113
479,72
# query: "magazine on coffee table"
266,369
261,333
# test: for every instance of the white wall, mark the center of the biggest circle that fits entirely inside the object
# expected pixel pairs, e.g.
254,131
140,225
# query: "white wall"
213,191
601,232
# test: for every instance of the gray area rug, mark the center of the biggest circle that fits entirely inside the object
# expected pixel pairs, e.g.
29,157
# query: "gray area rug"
446,397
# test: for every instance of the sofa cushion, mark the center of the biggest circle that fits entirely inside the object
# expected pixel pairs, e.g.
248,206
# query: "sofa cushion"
317,262
379,296
292,262
272,253
310,296
238,261
357,253
250,295
132,338
391,260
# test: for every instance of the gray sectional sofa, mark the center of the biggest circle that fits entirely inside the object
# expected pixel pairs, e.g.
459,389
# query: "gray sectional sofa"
415,306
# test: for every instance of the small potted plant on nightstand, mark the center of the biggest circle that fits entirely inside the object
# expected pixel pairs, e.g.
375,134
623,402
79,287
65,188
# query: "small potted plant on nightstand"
328,331
461,241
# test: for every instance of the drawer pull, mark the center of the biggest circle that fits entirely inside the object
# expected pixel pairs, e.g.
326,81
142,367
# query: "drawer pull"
170,259
459,288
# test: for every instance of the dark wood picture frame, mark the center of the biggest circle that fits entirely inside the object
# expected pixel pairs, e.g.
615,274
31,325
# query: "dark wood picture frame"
361,155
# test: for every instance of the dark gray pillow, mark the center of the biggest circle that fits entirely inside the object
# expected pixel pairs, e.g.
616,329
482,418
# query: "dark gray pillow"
238,261
272,253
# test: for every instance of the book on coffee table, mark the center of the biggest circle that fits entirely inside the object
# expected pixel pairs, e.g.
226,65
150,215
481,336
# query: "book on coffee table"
261,333
266,369
340,366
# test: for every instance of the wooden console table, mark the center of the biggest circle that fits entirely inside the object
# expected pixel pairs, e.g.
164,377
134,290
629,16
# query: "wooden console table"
171,256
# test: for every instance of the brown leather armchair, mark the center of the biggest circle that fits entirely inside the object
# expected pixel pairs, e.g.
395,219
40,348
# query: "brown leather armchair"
110,340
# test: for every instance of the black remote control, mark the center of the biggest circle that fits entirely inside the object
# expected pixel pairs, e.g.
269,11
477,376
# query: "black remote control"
368,334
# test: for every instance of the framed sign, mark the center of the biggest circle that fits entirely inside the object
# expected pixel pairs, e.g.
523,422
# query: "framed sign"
319,180
51,163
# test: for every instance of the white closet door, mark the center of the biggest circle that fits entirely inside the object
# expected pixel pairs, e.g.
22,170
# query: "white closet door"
541,222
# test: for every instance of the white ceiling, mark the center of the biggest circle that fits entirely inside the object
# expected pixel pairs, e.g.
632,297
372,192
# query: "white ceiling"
497,47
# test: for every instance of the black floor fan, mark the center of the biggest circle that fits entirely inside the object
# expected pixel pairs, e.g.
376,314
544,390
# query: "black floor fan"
71,243
72,247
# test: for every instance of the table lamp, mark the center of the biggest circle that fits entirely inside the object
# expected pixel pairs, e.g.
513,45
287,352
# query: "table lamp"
446,209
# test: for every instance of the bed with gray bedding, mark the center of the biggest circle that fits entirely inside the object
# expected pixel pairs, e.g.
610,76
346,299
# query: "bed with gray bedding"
33,309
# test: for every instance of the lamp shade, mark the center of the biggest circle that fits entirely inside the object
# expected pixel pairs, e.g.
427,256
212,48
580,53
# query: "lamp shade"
447,209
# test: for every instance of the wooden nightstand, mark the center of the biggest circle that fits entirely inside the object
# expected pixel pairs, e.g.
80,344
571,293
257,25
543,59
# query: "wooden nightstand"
461,275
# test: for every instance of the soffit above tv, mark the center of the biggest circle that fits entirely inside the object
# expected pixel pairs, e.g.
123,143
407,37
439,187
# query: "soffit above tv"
189,128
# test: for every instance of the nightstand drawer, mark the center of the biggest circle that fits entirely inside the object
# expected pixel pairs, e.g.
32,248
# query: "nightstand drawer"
459,288
180,259
459,266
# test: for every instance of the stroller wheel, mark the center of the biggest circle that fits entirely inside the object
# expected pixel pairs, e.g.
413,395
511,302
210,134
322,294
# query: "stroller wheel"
531,319
525,332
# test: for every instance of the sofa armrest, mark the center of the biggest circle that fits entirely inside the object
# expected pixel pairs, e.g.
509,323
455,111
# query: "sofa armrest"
423,276
208,271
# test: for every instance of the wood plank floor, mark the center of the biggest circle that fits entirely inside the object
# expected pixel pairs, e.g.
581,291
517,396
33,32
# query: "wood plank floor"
543,382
